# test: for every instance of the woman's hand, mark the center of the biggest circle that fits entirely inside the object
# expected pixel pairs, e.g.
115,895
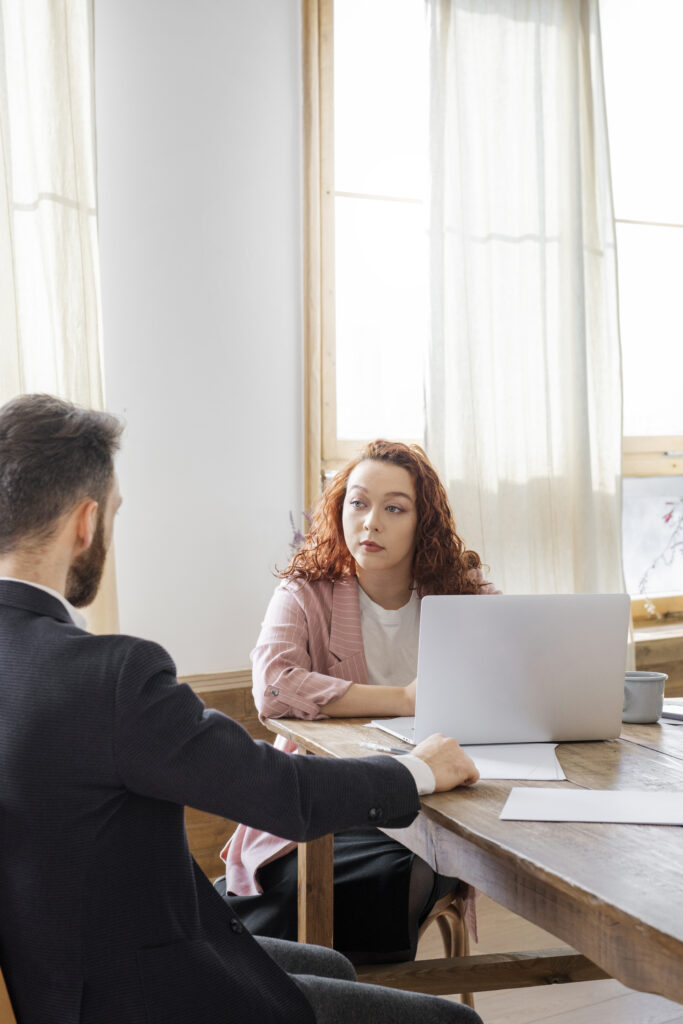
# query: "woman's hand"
449,762
410,692
361,701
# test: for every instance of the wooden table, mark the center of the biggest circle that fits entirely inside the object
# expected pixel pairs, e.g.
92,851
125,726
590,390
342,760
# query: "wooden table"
613,892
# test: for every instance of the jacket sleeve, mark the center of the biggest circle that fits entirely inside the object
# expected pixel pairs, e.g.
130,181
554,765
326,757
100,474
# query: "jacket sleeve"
284,685
168,746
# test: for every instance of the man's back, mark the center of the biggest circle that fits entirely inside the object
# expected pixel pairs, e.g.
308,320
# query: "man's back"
103,915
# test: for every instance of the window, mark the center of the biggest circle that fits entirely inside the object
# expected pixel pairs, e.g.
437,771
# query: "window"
369,63
643,81
379,184
373,137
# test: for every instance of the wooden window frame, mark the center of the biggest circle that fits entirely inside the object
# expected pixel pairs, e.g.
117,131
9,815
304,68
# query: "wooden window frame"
654,456
324,452
311,229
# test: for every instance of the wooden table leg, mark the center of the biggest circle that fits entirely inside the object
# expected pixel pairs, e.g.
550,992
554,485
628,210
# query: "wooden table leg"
316,889
316,893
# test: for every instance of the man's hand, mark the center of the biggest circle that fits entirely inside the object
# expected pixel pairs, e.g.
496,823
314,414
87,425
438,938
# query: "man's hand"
449,762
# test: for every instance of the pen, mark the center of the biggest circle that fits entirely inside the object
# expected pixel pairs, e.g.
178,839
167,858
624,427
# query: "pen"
385,750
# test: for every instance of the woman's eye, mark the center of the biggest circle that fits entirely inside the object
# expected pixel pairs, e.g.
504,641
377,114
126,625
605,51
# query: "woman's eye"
356,503
394,508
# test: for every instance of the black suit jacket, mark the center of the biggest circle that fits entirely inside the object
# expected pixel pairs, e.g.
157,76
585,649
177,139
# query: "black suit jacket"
104,916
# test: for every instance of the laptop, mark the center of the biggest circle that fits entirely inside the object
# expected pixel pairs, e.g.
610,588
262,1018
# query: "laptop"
519,669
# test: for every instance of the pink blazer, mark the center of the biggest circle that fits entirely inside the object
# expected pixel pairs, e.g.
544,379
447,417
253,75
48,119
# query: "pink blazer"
308,653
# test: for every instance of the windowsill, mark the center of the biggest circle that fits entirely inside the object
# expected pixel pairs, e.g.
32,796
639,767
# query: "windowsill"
654,632
659,648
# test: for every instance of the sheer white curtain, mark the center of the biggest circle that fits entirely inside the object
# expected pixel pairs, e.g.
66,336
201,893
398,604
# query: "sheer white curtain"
524,381
49,282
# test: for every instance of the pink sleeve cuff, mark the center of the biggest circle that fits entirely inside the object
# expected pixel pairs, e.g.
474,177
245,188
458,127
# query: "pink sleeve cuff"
306,701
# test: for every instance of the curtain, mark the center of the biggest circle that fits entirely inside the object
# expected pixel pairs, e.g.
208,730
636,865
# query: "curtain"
524,380
49,283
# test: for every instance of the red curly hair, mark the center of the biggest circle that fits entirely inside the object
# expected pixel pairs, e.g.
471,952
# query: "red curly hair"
442,564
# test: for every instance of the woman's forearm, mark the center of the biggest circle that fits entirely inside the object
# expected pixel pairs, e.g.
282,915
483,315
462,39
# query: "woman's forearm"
359,701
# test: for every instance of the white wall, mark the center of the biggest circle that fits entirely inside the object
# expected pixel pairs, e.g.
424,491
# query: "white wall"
198,138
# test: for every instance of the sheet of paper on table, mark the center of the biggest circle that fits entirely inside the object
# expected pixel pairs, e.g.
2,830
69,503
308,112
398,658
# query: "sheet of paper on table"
672,712
536,761
628,806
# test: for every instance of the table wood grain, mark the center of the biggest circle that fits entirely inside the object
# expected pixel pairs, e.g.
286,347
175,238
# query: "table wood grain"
613,892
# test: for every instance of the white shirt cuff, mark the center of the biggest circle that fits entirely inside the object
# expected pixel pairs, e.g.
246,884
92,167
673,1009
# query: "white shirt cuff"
421,772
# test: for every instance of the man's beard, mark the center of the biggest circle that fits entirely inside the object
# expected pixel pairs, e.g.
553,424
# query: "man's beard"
85,574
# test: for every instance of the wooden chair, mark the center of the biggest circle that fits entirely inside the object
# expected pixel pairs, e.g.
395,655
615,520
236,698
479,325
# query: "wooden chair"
449,915
481,973
6,1014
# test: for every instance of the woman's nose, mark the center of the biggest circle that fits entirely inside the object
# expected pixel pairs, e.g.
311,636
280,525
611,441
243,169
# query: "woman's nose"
370,522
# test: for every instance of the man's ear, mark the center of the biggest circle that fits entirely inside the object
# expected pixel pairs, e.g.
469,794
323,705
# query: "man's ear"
86,523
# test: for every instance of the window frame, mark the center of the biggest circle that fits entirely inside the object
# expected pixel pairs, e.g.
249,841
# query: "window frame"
324,452
645,456
653,456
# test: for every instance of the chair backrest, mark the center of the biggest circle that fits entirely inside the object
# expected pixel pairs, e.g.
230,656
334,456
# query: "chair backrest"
6,1014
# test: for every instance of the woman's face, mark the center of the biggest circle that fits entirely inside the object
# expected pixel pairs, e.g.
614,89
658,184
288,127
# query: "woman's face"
379,516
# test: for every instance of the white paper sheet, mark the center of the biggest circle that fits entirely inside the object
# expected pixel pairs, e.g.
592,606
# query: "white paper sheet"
628,806
536,761
401,728
673,707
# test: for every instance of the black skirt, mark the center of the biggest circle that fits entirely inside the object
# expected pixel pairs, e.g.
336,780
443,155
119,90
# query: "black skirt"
371,898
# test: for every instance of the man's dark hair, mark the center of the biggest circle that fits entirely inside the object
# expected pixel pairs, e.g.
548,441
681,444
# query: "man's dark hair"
52,455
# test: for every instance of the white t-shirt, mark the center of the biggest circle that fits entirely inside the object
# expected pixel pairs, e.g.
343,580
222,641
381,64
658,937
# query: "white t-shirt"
390,638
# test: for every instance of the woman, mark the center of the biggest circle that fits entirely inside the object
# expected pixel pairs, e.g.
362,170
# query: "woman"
340,640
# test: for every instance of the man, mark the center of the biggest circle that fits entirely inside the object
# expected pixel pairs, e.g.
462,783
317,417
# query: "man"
104,916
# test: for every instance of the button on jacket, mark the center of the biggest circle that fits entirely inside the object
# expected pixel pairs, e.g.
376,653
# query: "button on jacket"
104,917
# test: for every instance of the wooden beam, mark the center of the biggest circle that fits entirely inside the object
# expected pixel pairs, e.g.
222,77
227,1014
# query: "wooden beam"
485,973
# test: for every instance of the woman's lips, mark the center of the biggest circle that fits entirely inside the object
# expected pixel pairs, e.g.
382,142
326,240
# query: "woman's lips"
369,545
